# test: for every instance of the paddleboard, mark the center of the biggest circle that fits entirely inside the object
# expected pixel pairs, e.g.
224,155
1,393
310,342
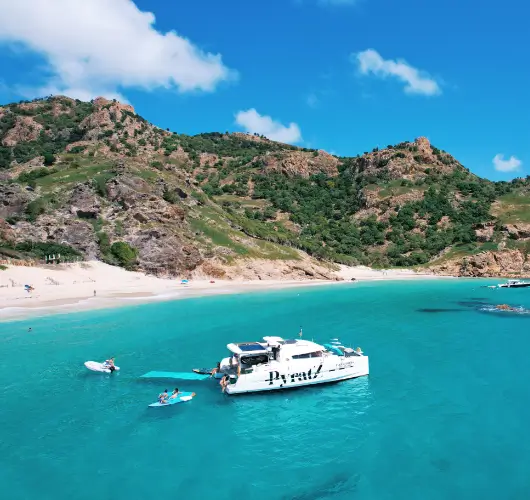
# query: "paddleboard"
99,367
203,371
183,397
207,373
175,375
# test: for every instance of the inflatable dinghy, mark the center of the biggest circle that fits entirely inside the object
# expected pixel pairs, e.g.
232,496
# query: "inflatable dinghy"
99,367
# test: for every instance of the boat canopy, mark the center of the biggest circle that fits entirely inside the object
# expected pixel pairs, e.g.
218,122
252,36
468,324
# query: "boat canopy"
247,348
273,340
298,347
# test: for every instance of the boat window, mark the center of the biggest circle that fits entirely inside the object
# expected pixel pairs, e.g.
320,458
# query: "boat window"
254,360
317,354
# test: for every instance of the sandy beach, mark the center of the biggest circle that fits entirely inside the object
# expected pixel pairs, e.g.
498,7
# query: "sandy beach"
94,285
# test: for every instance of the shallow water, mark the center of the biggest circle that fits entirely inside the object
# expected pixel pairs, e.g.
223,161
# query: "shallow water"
444,413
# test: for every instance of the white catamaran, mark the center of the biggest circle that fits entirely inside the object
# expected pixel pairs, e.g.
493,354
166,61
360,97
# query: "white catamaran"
277,364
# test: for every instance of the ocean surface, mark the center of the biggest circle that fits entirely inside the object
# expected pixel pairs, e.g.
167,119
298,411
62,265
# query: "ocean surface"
444,414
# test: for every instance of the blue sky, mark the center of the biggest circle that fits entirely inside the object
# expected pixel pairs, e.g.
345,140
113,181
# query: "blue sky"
340,75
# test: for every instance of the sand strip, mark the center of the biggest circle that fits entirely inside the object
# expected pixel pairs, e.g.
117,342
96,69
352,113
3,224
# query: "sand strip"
95,285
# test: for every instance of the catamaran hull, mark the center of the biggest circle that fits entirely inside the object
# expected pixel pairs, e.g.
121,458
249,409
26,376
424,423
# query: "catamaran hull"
292,386
266,379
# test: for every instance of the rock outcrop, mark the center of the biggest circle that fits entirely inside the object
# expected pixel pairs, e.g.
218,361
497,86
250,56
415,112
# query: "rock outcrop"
505,263
7,233
303,164
519,231
261,269
485,232
76,233
84,203
410,161
25,129
163,253
13,200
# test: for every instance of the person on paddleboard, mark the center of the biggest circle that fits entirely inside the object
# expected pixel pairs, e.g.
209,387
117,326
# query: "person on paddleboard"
175,393
162,398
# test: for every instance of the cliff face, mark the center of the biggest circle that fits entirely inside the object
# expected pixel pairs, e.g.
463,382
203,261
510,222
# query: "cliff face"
302,164
504,263
408,160
24,129
78,178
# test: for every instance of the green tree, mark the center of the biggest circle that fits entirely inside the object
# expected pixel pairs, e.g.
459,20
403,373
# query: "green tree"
35,208
125,254
49,159
104,242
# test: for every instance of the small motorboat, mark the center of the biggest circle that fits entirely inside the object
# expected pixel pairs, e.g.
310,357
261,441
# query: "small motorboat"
515,284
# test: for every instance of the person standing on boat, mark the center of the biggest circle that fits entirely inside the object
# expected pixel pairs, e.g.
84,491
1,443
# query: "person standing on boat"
237,362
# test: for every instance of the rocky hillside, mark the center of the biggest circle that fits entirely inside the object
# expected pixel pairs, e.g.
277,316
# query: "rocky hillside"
95,180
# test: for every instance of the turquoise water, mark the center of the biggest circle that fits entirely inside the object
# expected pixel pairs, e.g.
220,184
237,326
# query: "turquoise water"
444,414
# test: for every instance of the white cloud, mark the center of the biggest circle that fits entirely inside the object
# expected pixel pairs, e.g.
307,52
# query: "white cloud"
253,122
312,100
96,47
510,165
417,82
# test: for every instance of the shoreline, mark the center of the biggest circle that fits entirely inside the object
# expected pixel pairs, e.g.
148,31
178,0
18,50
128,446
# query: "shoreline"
94,285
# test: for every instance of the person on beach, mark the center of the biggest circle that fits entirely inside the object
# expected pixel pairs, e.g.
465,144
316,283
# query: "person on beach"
162,397
94,293
175,393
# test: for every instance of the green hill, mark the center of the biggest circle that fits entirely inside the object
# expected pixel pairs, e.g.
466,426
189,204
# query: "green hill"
95,176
